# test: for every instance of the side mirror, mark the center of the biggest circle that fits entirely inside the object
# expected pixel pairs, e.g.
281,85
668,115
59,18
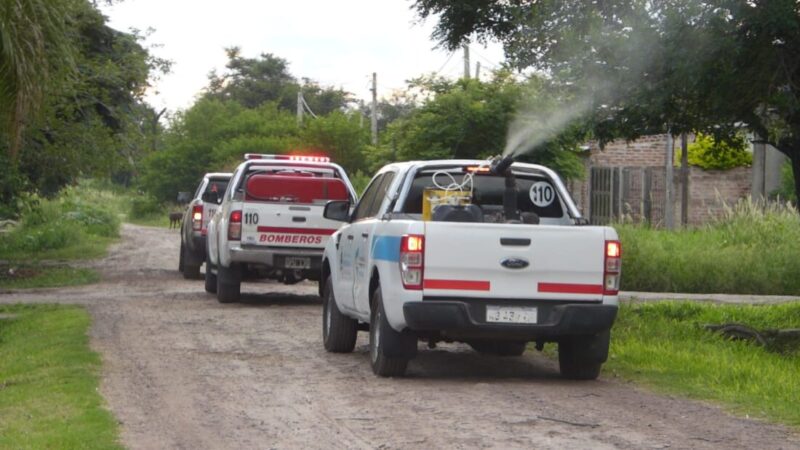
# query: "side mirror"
210,197
338,210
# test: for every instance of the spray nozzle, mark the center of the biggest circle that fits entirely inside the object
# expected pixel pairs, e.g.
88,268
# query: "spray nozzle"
501,165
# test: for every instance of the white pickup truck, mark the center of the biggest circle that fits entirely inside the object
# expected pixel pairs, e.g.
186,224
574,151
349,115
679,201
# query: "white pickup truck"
494,255
269,223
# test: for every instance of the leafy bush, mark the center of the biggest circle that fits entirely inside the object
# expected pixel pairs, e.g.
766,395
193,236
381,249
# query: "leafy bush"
708,154
145,206
786,191
751,250
68,220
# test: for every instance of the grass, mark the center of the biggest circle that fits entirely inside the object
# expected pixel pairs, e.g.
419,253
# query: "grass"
751,250
664,346
49,381
25,277
79,223
154,220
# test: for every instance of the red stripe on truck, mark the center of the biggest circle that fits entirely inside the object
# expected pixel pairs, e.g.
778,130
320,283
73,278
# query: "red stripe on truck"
457,285
323,231
570,288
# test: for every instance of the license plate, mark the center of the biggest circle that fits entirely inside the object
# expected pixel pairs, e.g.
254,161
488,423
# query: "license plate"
297,263
510,314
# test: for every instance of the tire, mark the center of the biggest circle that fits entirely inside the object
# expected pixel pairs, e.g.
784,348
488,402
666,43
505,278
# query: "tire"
180,259
388,349
229,284
211,278
190,271
499,348
338,331
580,357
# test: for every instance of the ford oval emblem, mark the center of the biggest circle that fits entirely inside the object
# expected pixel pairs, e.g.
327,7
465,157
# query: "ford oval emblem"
514,263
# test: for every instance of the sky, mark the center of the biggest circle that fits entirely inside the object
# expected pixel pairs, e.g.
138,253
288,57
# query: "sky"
336,43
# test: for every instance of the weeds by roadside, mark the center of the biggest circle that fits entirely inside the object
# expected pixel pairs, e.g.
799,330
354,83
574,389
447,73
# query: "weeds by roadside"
146,210
24,276
79,223
664,346
49,380
752,249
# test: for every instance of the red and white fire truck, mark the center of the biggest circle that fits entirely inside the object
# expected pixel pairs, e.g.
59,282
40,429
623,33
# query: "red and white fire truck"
270,222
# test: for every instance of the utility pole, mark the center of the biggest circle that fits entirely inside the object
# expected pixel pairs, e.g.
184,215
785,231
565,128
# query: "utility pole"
374,108
466,60
669,196
684,180
299,108
478,70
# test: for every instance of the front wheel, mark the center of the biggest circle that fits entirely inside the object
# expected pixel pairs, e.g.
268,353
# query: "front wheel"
338,331
389,350
580,357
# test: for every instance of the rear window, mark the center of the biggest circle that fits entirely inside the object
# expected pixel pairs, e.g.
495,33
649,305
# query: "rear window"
535,194
216,186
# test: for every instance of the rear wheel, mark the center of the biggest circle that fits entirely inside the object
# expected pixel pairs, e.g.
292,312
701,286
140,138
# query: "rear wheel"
389,350
180,259
499,348
338,331
580,357
229,283
190,271
211,278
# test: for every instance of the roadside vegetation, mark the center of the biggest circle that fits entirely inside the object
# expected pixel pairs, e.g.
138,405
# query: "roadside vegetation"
78,223
49,381
664,346
752,249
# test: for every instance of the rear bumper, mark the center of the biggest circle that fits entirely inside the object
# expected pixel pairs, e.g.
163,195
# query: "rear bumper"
466,319
275,257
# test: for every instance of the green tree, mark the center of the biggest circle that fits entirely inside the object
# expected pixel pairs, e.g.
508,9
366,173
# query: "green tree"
708,66
213,135
255,81
71,97
35,42
471,119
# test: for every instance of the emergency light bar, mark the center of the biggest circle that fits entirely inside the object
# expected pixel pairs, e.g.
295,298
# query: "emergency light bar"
321,159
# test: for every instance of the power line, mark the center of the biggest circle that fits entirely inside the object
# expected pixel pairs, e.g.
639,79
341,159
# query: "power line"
308,108
445,63
491,63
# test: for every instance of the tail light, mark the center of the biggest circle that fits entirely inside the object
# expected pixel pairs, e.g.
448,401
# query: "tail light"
197,217
612,268
412,261
235,226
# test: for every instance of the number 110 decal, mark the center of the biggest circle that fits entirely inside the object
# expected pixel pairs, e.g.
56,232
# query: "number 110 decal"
251,218
542,194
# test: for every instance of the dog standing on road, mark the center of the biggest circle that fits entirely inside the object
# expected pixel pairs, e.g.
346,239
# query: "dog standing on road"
175,220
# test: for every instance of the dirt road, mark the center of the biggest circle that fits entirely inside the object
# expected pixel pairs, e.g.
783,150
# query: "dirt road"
183,371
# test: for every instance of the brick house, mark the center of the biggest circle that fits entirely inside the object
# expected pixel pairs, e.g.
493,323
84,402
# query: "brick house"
629,178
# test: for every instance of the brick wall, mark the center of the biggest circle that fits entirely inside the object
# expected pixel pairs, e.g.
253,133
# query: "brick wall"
643,152
709,190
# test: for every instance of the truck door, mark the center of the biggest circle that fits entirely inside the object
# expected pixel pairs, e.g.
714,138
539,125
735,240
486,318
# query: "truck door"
363,234
347,245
